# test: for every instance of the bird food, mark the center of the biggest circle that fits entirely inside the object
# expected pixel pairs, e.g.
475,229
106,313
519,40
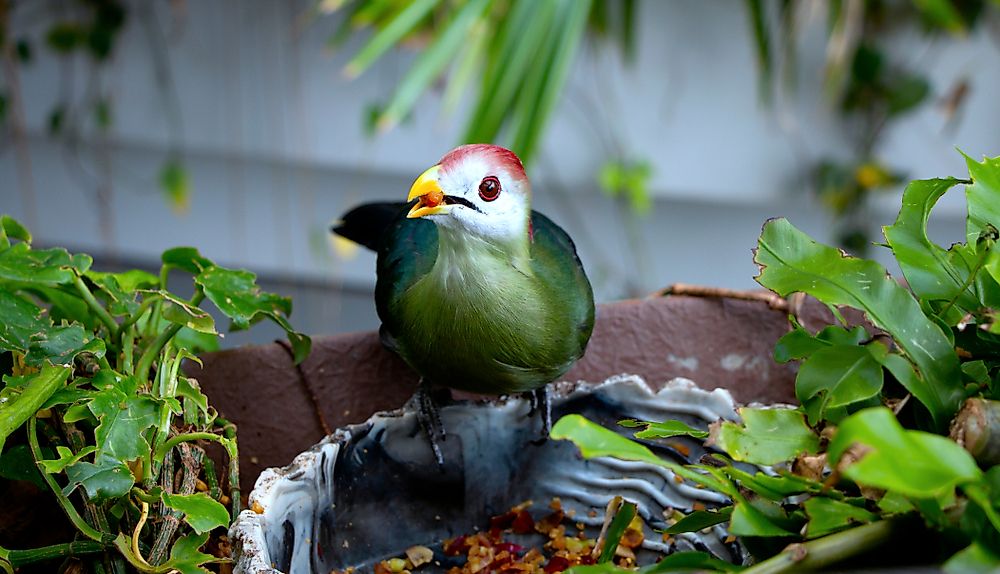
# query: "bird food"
516,542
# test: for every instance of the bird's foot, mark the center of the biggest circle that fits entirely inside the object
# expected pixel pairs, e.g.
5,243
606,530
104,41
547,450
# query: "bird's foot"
542,404
429,418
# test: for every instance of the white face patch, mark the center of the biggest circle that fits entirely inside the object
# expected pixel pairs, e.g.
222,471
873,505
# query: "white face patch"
501,220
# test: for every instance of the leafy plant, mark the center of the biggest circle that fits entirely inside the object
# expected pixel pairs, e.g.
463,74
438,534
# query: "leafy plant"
95,409
522,51
867,457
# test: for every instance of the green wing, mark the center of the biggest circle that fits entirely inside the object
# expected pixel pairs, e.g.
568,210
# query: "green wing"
409,249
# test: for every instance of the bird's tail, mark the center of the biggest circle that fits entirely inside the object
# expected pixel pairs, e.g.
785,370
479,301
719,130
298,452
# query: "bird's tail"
367,223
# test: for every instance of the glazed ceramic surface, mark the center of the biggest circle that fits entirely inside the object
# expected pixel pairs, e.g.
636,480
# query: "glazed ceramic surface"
369,491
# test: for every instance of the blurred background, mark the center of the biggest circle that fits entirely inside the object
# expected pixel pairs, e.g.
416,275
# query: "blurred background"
661,135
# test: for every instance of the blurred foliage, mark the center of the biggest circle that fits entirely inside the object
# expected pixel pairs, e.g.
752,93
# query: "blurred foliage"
81,28
515,54
865,84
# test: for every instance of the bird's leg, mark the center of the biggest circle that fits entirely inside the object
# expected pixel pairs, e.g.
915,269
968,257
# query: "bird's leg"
430,419
540,402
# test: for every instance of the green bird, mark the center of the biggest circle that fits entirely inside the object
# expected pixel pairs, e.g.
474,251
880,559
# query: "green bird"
475,290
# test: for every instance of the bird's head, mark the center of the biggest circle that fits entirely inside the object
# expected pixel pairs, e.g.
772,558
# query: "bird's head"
480,189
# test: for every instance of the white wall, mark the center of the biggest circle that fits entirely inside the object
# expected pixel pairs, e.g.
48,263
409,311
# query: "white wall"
272,136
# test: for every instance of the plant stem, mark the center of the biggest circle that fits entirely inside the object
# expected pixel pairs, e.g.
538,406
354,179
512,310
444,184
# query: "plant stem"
232,449
161,450
149,355
96,307
828,550
20,558
143,307
67,505
191,461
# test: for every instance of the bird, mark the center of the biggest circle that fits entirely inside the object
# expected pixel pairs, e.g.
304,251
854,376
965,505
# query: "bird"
475,290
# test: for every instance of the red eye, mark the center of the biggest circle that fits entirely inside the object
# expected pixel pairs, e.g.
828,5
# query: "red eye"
489,188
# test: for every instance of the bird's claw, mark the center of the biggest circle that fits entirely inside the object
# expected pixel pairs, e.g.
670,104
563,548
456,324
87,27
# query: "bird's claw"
430,421
542,404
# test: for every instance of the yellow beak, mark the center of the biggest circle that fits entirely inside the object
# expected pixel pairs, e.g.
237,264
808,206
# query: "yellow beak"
428,193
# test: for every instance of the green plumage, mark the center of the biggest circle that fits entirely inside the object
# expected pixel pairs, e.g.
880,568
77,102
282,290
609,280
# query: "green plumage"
468,315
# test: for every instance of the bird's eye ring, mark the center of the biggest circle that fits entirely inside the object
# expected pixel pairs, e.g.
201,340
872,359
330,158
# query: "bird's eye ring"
489,188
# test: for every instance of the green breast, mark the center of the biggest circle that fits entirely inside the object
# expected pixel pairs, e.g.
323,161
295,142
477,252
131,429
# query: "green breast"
462,315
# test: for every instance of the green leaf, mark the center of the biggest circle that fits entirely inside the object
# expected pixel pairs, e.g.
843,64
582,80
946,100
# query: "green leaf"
432,62
913,463
237,295
700,519
200,510
186,258
837,376
37,390
182,313
11,228
119,289
767,436
108,478
623,517
982,197
666,429
925,265
687,562
748,520
64,37
22,320
792,262
799,344
827,516
60,345
66,458
973,559
176,185
45,267
942,14
390,35
185,557
593,440
123,422
189,389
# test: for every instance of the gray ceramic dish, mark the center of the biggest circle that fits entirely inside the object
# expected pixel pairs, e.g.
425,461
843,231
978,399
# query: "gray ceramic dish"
369,491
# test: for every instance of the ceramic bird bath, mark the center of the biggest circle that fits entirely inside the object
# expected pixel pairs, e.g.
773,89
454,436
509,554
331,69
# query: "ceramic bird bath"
369,491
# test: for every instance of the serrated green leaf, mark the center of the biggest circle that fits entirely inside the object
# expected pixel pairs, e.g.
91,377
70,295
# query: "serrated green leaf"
66,458
236,294
767,436
44,267
700,519
925,265
666,429
123,422
180,312
106,479
189,389
185,557
792,262
60,345
837,376
913,463
186,258
21,321
200,510
119,289
827,516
